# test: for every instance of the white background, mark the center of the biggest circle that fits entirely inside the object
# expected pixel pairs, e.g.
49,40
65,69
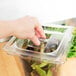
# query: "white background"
44,10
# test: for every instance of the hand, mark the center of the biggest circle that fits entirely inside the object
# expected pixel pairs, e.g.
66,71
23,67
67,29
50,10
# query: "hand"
28,28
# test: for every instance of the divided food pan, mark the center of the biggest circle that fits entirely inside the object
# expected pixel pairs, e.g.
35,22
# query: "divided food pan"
53,49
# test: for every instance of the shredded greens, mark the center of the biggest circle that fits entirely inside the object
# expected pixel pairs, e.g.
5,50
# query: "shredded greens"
54,29
72,50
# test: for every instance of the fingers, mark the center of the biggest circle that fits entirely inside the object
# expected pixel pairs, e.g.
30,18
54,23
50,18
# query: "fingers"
40,31
38,28
35,40
37,34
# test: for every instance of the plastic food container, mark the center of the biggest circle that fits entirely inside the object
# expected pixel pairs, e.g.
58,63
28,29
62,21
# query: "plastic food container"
53,49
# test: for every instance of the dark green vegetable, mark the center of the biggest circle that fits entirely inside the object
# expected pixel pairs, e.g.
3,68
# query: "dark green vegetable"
47,36
72,50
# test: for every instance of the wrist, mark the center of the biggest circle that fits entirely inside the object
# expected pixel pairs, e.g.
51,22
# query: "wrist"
11,26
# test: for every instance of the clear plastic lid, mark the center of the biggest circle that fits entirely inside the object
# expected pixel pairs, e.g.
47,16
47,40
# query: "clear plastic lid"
52,49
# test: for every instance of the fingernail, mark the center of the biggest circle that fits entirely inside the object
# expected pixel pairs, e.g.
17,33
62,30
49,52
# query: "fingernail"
44,36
